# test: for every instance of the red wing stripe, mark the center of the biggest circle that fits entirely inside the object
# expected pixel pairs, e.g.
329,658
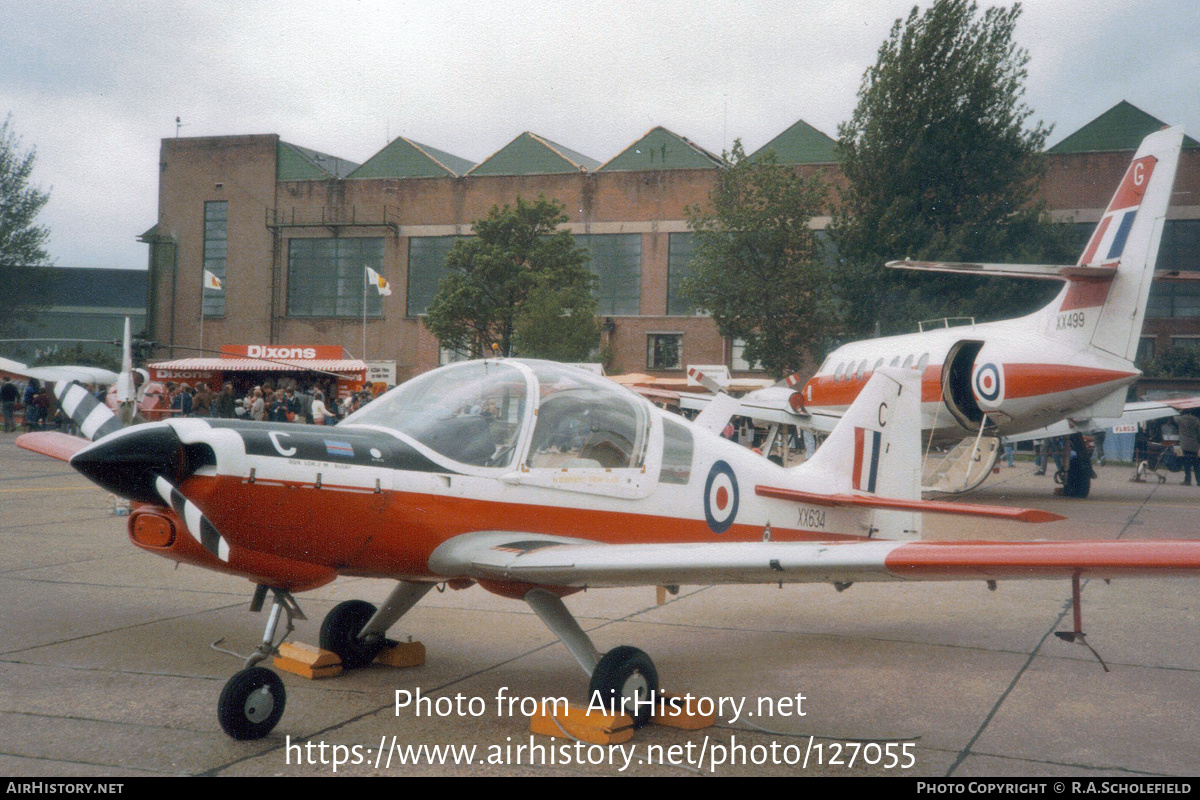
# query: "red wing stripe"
928,506
1045,559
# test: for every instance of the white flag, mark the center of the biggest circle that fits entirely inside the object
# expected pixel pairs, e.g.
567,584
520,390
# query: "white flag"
378,282
212,281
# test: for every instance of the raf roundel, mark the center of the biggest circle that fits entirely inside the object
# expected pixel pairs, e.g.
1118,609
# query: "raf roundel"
988,383
720,497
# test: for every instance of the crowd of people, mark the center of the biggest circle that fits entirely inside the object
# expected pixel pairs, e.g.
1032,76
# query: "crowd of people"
314,404
286,401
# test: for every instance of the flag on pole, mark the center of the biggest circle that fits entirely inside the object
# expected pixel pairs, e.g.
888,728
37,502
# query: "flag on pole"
377,280
212,281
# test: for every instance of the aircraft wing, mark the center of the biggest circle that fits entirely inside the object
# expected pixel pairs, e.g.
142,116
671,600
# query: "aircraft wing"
764,405
1141,411
566,562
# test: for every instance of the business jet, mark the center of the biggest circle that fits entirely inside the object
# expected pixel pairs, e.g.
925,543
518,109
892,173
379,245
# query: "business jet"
1017,379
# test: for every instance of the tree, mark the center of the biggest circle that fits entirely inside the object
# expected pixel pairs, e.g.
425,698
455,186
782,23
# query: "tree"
519,283
940,164
21,240
757,265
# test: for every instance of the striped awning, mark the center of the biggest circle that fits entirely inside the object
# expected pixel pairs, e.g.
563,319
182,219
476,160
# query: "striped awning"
346,365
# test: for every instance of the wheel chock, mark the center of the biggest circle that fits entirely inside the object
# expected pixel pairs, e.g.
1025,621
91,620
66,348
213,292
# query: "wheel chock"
307,661
674,711
402,654
593,727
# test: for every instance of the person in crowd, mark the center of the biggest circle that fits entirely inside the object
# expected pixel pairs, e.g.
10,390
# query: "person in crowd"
8,403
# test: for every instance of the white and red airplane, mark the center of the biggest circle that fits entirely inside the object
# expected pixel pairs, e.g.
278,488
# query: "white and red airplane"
1072,360
536,480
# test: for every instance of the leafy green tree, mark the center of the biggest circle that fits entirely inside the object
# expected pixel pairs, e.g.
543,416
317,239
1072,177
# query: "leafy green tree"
22,241
521,284
941,164
757,265
1174,362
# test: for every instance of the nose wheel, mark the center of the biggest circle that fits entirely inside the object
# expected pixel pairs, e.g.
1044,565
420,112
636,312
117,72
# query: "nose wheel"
251,703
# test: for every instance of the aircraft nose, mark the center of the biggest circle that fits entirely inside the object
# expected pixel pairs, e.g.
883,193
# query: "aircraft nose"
127,462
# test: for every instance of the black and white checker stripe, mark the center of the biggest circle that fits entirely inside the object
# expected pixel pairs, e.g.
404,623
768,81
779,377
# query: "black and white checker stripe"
197,524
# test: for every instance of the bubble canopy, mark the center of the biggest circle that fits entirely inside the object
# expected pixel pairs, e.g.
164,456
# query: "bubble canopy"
478,414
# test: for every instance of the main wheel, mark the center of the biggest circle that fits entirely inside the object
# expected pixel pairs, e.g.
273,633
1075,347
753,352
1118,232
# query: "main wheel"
251,703
627,680
339,633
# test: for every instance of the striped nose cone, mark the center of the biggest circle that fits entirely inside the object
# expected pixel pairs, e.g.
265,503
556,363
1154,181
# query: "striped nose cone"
128,462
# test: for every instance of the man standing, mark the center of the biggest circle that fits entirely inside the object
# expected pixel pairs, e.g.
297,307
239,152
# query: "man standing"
8,403
225,407
1189,443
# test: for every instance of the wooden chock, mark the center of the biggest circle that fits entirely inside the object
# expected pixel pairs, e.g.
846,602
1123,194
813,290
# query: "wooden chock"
674,711
307,661
593,727
402,654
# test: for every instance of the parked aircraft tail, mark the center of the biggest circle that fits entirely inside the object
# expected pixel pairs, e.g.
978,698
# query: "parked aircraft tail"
1126,241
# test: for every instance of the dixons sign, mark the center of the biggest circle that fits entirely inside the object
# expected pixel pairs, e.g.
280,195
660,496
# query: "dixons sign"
303,352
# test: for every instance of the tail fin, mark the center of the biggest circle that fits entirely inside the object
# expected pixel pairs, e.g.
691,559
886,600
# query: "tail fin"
123,396
875,450
876,446
1108,311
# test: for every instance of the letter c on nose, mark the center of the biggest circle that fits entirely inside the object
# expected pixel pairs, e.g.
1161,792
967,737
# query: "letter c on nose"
283,451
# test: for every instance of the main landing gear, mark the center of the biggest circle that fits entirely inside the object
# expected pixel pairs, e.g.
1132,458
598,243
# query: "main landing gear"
624,680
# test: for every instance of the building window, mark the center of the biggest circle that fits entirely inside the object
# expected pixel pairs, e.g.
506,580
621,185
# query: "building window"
426,268
664,351
328,277
737,358
679,267
1145,351
448,355
616,260
1185,342
216,240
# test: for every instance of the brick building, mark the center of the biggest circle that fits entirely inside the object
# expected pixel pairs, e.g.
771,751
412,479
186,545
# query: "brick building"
290,232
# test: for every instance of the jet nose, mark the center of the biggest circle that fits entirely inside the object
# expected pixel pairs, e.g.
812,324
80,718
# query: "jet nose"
127,462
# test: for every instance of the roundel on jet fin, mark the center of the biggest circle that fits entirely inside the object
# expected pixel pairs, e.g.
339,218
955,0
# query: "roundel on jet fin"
988,385
720,497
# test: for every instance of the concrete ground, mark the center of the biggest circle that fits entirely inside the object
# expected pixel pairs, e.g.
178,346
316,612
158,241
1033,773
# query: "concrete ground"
106,669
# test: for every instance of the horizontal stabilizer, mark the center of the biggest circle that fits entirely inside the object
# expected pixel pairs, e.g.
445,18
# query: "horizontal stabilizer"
927,506
52,443
1049,272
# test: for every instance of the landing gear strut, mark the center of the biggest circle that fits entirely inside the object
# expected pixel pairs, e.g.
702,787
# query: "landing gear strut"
253,700
625,677
355,629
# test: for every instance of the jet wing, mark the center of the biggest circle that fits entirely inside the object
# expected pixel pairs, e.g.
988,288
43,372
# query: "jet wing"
565,562
1050,272
1141,411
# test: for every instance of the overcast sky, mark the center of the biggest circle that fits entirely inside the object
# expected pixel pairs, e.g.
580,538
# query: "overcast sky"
95,85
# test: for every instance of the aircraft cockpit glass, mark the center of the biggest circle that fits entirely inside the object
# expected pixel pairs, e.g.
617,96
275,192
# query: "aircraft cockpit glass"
470,413
584,421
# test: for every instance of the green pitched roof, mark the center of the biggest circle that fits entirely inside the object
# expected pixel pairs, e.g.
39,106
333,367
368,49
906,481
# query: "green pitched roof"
662,149
404,158
1122,127
800,144
296,163
530,154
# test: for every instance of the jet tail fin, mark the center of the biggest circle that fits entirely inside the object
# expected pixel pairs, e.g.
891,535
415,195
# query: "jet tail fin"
1107,311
